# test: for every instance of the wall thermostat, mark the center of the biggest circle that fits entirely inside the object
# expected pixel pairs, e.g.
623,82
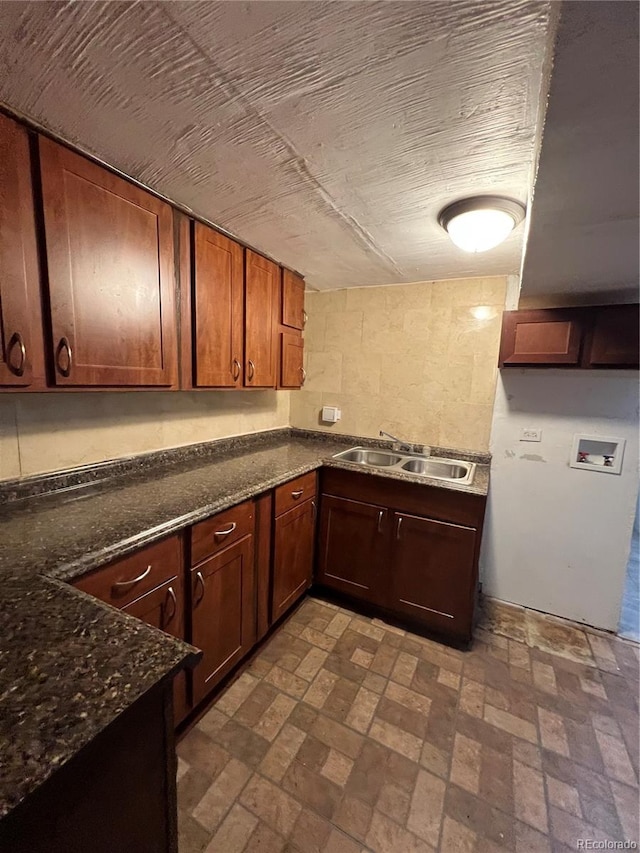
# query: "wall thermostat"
331,414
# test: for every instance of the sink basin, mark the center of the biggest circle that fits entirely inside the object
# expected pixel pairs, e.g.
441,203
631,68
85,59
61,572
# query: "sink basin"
436,468
377,458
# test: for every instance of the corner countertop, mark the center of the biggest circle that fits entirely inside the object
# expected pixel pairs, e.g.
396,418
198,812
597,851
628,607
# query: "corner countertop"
69,664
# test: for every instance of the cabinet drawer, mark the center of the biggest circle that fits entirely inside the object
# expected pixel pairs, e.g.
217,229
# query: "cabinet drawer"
220,530
122,582
296,492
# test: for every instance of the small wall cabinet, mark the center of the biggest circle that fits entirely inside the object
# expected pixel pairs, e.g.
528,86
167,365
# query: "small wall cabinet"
292,322
594,337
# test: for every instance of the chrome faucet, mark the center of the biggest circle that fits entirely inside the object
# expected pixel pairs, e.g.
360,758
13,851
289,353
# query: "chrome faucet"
402,446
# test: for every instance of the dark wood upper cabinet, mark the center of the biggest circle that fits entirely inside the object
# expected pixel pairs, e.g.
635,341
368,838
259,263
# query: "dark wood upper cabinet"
219,310
541,337
21,341
432,573
223,615
589,337
292,373
614,340
262,286
292,300
110,259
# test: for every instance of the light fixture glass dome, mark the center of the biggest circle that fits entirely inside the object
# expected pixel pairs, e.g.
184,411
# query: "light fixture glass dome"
481,223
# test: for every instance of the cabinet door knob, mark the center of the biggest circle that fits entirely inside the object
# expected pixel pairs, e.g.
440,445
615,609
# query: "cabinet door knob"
295,495
134,580
252,370
64,345
226,532
398,528
380,517
236,369
17,340
174,600
200,580
314,513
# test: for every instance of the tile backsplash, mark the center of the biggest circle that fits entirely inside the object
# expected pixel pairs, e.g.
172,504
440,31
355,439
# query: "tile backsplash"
49,432
418,360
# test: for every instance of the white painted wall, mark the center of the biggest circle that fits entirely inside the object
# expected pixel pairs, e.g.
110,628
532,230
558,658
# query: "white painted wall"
556,538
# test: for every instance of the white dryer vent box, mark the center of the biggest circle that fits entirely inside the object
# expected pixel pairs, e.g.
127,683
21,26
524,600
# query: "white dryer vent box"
331,414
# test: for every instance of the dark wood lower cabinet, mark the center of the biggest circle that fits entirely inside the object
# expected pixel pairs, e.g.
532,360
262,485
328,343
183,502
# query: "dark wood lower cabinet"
292,556
163,608
420,568
353,548
432,572
117,794
223,613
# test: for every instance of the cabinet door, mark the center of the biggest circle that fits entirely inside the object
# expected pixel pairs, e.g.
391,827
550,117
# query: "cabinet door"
219,310
433,573
109,248
614,340
292,373
21,341
541,337
163,608
354,548
293,557
223,617
261,303
292,300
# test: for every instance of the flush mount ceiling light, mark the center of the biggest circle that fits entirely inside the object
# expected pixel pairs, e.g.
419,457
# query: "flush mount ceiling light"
478,224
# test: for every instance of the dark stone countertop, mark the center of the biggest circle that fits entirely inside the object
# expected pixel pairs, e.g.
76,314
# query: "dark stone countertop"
69,665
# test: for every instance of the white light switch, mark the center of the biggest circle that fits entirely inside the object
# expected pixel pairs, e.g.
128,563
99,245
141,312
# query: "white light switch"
529,434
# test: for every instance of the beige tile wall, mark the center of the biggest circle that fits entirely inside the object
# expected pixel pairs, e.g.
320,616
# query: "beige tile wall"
47,432
418,360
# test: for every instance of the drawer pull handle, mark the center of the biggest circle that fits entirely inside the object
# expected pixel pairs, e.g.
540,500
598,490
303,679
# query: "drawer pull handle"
200,580
16,339
252,370
380,517
134,580
64,345
398,528
295,495
174,600
236,370
305,317
314,513
303,375
226,532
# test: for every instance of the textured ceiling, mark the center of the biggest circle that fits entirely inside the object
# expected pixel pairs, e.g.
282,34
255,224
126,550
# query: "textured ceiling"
584,225
328,134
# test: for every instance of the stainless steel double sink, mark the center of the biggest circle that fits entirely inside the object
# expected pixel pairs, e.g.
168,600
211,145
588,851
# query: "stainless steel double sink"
453,470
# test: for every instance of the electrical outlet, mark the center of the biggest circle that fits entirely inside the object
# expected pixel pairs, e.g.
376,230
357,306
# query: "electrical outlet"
529,434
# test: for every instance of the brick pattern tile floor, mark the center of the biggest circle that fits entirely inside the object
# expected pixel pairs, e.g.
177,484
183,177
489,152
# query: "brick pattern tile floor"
346,735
